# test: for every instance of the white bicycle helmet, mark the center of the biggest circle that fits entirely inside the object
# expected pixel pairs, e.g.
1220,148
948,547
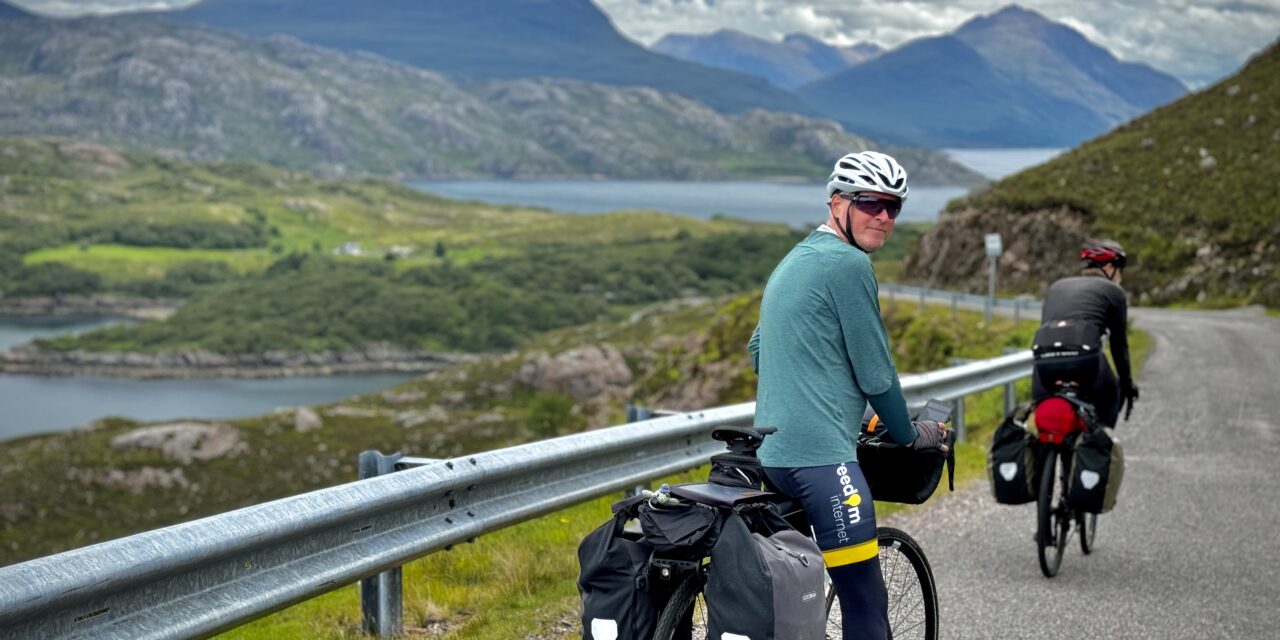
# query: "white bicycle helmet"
868,171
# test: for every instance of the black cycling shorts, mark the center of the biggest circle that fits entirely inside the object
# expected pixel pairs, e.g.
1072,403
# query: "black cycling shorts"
838,504
1093,376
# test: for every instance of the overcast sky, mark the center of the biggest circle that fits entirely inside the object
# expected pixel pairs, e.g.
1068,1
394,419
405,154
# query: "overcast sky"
1197,40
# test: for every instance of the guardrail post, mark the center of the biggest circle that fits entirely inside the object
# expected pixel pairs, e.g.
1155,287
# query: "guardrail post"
381,596
637,413
955,297
922,292
957,418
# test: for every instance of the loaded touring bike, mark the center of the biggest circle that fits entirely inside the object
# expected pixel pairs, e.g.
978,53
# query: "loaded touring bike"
912,593
1060,421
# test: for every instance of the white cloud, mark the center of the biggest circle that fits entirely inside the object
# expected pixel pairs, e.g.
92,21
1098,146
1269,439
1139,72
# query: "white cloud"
96,7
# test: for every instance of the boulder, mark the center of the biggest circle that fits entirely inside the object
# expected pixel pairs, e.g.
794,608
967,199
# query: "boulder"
306,419
183,441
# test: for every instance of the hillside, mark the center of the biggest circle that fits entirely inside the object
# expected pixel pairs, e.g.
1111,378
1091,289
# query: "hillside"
1192,190
207,95
1009,79
272,261
794,61
492,39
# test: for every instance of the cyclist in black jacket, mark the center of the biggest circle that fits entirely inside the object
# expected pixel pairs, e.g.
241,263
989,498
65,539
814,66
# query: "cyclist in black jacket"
1077,311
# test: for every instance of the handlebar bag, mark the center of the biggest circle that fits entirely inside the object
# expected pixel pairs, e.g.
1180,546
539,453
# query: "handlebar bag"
618,601
1011,460
898,473
765,584
1097,469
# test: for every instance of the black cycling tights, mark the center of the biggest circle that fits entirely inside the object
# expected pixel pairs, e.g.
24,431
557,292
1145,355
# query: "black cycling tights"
1093,374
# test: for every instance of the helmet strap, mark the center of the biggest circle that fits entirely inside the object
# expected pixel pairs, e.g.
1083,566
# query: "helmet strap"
848,228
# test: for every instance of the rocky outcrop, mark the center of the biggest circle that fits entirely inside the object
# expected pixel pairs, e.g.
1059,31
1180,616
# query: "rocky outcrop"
1039,247
583,373
89,307
194,363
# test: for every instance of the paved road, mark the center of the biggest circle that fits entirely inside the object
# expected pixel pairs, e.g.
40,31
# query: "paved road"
1192,549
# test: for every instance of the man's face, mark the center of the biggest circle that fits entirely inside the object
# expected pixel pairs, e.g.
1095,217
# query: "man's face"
869,230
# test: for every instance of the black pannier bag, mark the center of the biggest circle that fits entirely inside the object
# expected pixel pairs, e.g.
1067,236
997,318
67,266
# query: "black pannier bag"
618,601
766,581
1097,469
1011,462
1066,339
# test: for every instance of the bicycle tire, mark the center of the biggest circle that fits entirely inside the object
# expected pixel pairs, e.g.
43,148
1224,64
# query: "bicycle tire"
1088,532
1050,536
682,610
913,606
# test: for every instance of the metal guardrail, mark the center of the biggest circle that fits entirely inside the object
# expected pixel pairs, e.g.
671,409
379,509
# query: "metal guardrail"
1015,307
202,577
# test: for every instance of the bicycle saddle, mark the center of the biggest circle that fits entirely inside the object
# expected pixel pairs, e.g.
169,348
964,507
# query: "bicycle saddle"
742,439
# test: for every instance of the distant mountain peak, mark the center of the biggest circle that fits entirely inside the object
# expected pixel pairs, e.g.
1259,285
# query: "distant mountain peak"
1010,78
11,12
1008,16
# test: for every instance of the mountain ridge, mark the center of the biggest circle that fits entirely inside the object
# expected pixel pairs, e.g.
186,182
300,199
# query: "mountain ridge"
205,94
487,39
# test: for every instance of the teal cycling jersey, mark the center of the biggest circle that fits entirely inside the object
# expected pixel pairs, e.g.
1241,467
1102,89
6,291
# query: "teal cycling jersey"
822,352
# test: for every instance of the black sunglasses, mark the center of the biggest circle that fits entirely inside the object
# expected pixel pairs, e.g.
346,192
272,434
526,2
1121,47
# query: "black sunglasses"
872,205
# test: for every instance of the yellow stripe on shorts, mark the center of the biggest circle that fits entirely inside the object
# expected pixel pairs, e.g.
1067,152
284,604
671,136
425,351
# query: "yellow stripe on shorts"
850,555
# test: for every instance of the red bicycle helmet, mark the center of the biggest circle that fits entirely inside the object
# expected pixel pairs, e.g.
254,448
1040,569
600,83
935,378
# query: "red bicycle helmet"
1098,253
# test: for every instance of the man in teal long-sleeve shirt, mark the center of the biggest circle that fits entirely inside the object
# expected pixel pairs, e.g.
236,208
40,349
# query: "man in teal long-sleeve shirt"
823,354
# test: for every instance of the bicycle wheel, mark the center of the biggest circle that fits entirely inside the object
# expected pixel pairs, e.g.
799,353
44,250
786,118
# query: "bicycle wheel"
1088,531
908,579
1051,536
685,616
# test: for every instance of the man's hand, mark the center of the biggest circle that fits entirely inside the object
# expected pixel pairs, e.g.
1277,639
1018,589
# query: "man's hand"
930,435
1128,394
